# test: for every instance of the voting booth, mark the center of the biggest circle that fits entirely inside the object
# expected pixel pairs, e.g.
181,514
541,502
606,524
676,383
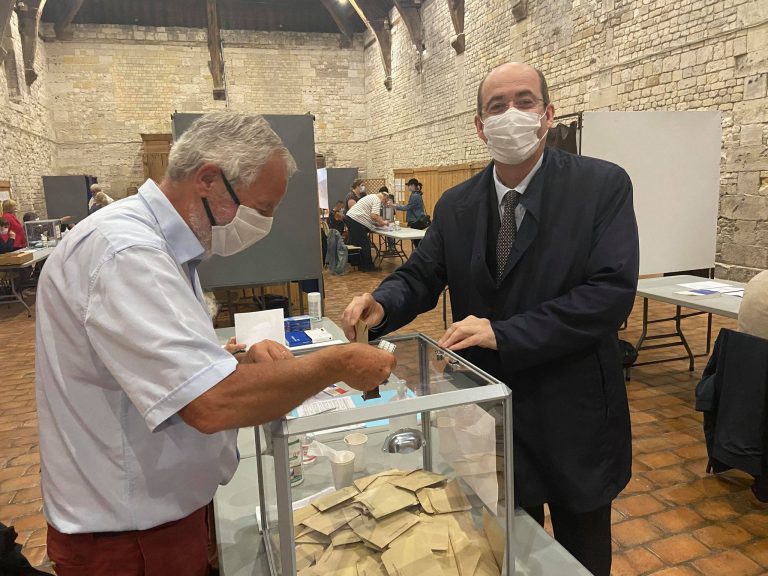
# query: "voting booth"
407,481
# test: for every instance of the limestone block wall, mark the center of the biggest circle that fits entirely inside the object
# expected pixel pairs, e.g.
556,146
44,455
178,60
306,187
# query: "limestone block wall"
112,83
597,55
27,144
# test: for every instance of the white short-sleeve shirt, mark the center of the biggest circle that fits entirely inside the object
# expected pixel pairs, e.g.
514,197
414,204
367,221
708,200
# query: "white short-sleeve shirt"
124,342
362,211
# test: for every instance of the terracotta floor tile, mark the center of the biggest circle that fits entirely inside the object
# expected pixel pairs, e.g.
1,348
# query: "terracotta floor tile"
678,549
716,510
659,459
730,563
680,495
756,523
640,505
641,560
723,536
757,551
620,566
634,532
677,520
677,571
669,476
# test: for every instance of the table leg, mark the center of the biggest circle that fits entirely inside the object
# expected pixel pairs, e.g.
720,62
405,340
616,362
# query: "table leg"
683,340
709,332
19,297
644,331
445,308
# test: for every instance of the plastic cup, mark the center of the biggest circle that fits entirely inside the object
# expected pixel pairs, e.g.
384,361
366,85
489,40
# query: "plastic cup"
356,442
342,468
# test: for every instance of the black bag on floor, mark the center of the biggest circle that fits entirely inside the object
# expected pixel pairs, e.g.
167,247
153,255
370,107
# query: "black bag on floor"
12,561
628,353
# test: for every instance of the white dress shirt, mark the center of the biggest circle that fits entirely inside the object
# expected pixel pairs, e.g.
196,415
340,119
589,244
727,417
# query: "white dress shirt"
124,342
501,191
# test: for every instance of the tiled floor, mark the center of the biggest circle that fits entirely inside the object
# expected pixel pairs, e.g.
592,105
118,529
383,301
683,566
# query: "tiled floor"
672,520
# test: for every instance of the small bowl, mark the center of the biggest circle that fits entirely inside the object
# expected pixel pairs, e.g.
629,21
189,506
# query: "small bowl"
403,441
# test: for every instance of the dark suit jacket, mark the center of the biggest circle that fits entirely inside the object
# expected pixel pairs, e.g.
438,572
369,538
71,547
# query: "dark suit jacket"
569,283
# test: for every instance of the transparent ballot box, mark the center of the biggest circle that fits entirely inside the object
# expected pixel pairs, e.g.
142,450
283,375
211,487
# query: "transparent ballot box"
413,483
43,233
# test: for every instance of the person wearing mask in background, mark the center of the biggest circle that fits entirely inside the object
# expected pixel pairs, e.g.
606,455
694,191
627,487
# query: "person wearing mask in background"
414,209
96,189
336,219
357,192
540,252
388,213
363,217
135,441
10,207
7,236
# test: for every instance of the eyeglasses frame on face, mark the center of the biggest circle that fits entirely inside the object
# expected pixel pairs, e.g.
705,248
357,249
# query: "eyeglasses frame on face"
517,103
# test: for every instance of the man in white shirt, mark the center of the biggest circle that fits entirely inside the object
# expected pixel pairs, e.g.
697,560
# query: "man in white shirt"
138,405
95,189
363,217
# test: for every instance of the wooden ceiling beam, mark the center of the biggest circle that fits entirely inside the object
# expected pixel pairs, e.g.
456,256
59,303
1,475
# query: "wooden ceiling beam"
411,14
342,20
6,9
216,51
29,29
63,26
375,13
456,8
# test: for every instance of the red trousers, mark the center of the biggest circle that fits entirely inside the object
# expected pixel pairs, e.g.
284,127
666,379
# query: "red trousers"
175,548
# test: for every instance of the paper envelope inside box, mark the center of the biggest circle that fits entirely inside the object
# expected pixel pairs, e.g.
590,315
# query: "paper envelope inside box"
381,533
328,522
385,500
417,480
363,484
344,536
448,499
334,498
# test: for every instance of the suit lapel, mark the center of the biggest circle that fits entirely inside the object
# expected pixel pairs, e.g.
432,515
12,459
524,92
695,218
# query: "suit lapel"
481,276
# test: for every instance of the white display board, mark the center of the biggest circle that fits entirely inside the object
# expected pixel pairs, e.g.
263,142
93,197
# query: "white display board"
673,159
322,188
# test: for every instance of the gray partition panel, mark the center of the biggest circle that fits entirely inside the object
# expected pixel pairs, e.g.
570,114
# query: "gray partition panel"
292,251
339,183
67,196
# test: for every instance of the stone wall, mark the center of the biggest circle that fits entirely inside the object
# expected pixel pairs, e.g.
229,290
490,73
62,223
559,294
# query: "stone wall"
597,55
112,83
27,147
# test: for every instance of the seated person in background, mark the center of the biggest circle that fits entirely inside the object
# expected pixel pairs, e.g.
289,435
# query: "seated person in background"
336,218
10,207
753,312
100,200
30,216
7,236
95,189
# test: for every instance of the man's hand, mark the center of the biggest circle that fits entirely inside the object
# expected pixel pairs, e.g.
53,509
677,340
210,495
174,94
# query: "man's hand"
233,347
366,367
363,308
266,351
12,235
472,331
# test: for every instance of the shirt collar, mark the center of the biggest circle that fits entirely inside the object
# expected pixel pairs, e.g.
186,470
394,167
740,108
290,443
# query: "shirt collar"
177,233
501,189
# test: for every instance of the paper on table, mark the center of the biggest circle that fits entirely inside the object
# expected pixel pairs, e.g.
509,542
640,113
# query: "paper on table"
385,500
381,533
448,499
253,327
705,285
328,522
417,480
331,500
365,483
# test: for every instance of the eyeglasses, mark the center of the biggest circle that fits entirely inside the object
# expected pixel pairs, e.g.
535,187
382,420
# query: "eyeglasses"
523,103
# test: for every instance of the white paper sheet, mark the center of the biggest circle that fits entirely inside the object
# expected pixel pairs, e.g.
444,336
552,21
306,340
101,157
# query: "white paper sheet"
705,285
253,327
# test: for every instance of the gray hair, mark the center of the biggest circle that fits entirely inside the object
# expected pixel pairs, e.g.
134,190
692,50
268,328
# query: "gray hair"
95,188
238,143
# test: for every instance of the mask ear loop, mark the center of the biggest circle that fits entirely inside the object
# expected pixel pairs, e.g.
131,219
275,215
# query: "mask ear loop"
232,195
211,219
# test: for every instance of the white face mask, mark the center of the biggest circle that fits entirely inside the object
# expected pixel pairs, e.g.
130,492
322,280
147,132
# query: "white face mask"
362,189
512,137
4,231
246,228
